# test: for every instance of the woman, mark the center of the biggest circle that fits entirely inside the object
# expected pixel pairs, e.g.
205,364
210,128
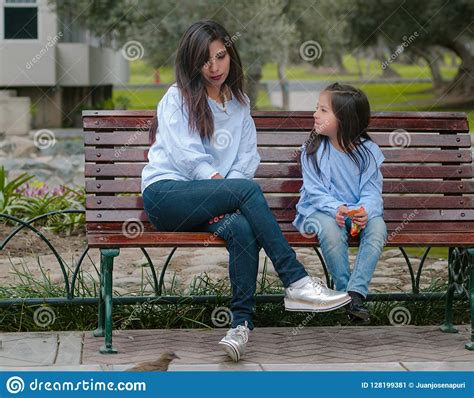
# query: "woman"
201,167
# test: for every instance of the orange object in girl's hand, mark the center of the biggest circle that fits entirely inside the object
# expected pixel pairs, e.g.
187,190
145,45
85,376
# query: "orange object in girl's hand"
355,229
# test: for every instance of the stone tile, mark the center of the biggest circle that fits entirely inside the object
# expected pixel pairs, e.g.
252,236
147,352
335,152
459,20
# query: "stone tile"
53,368
369,366
199,367
70,348
28,349
227,366
442,366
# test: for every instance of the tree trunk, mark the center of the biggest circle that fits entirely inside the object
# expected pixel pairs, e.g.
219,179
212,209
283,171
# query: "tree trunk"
284,86
463,83
433,62
254,75
359,69
368,60
435,73
380,49
388,71
336,62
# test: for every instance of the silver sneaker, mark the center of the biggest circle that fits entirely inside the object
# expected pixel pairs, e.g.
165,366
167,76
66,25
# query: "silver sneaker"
234,341
315,296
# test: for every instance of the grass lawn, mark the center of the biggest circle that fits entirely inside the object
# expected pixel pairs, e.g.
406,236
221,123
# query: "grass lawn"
141,99
306,72
408,97
435,252
383,97
142,73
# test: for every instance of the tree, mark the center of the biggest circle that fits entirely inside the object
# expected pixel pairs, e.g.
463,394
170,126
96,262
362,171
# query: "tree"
263,32
266,34
419,26
433,60
322,22
108,20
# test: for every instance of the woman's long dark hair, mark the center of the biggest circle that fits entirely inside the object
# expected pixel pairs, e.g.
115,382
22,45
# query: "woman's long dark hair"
192,54
352,110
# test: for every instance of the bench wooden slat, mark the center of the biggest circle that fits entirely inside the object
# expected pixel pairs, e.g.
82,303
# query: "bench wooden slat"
427,171
278,170
386,121
293,186
285,202
293,124
428,187
283,138
375,115
148,113
289,215
196,239
291,155
377,123
433,226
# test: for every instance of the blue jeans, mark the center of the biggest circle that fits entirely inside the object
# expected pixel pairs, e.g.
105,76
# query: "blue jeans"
249,225
333,240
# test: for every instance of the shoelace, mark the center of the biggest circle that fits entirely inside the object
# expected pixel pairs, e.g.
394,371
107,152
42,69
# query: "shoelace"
318,282
241,331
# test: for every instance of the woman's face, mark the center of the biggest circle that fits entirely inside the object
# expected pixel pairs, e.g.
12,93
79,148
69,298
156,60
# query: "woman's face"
325,121
216,69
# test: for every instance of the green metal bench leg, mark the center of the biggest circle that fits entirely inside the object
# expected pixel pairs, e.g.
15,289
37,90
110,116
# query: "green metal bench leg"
107,258
448,326
470,345
99,332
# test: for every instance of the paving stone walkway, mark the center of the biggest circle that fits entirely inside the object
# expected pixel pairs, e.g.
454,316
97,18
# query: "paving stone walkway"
386,348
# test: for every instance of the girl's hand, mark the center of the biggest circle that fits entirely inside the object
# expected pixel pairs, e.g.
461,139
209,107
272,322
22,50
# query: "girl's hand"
217,177
361,218
341,214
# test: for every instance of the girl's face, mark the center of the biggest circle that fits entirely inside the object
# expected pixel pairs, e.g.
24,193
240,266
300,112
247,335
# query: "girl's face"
216,69
325,122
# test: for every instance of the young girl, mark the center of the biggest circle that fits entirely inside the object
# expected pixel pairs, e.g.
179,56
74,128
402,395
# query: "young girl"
201,167
341,172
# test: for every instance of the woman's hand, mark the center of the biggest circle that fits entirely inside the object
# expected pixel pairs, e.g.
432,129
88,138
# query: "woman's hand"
212,220
341,214
361,218
217,177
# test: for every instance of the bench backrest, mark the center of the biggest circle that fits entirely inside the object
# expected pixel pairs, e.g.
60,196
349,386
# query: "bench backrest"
428,171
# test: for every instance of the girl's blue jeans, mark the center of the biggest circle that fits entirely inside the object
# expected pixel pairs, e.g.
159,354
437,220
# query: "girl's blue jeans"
333,241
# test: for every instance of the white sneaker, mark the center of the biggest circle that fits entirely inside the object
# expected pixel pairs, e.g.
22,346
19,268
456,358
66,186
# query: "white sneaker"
234,341
315,296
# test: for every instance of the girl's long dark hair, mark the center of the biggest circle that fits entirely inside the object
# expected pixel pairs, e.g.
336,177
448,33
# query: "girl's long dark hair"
352,110
192,54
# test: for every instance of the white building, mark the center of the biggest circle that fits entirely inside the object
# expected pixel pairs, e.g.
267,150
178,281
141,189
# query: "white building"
53,67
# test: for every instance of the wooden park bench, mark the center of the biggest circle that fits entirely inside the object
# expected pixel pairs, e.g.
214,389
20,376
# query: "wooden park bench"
428,187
